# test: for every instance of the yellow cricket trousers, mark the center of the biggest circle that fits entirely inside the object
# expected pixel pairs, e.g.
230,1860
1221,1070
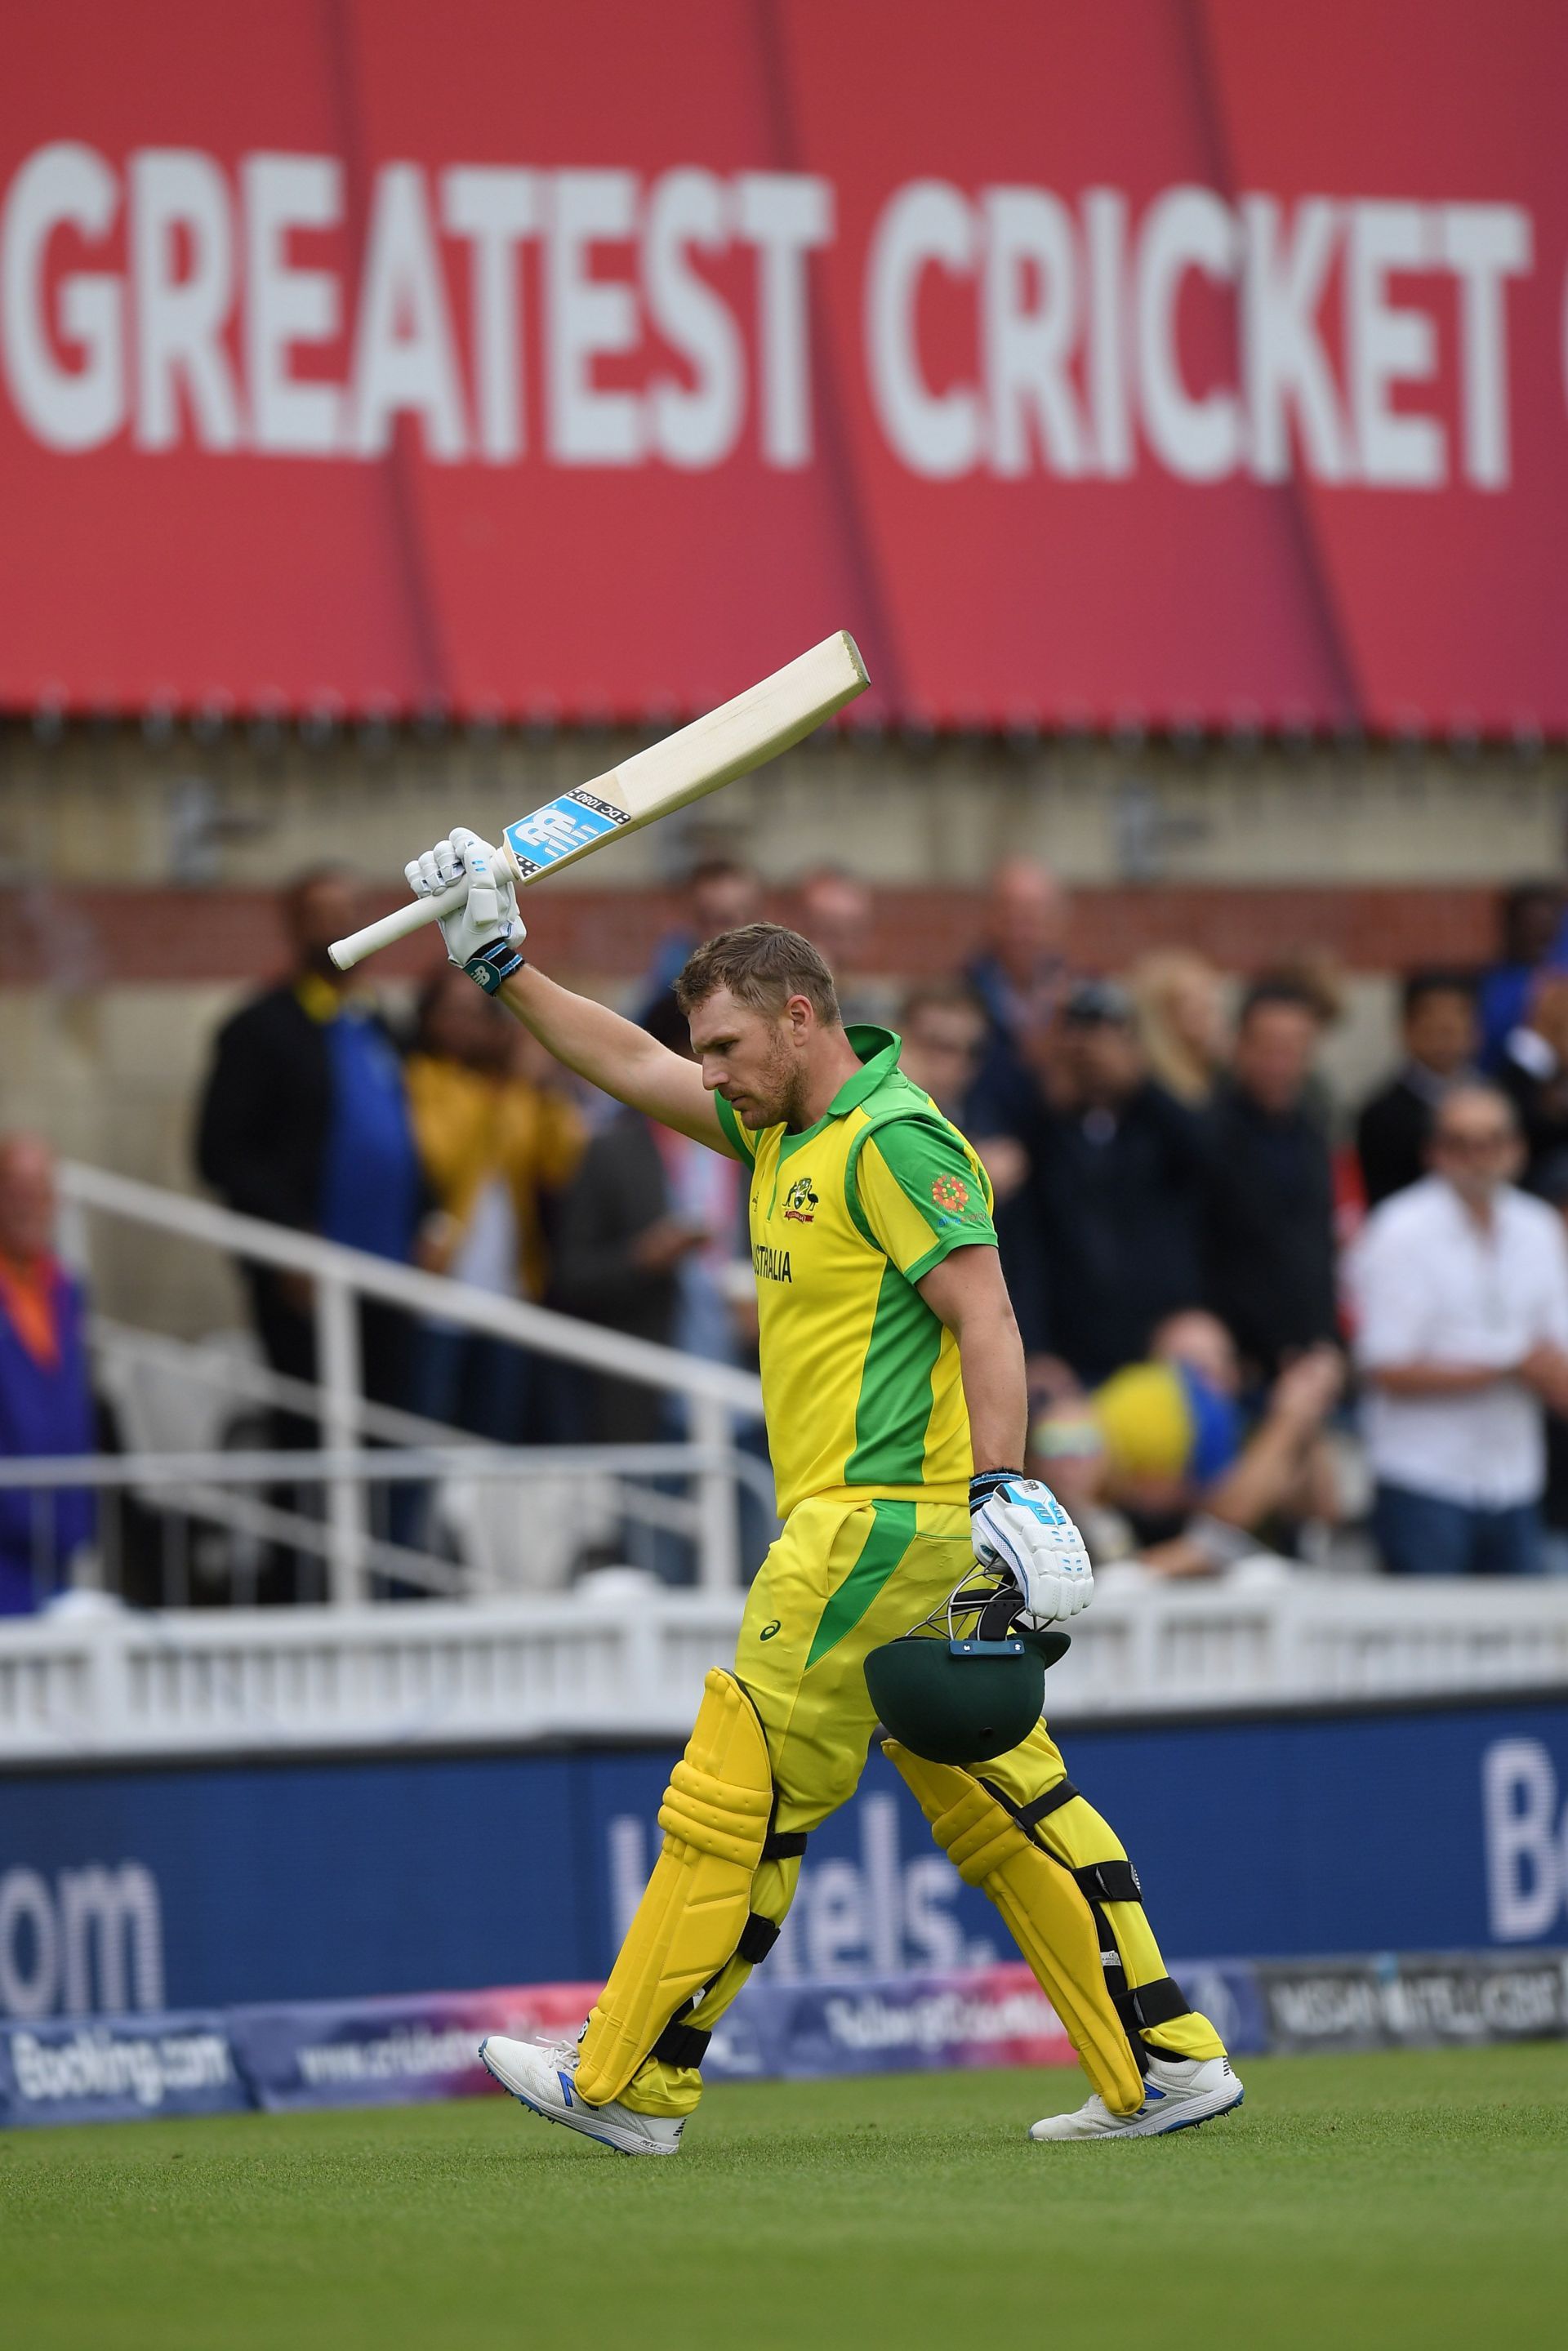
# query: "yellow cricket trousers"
845,1575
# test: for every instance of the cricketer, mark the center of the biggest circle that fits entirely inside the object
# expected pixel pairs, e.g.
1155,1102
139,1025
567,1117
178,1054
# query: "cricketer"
895,1394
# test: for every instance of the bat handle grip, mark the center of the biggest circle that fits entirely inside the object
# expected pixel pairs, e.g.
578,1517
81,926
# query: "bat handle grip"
401,923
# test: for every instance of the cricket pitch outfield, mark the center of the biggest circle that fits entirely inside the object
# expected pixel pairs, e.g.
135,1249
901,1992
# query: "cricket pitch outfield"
1391,2201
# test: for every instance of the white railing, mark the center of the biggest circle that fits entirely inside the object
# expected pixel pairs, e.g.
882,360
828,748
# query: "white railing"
716,1396
623,1657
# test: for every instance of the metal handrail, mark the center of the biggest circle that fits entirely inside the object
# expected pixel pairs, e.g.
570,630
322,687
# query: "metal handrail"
716,1394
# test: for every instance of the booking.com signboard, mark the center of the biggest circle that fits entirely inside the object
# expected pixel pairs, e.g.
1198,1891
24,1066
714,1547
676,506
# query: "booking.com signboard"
194,1888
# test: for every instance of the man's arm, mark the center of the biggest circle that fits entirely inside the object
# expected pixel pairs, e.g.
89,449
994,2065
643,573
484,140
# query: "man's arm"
967,1293
1439,1379
616,1055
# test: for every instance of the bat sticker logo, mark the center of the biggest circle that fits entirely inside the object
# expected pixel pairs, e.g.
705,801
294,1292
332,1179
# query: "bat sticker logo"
574,821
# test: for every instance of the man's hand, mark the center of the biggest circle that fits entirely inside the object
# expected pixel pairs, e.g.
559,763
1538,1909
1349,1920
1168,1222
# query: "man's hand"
659,1247
1545,1370
1021,1529
484,936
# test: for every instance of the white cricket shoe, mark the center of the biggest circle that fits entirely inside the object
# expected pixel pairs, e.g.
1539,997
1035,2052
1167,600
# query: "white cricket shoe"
1177,2093
540,2075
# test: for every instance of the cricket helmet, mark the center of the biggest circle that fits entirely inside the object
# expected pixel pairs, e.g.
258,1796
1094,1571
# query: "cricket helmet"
969,1683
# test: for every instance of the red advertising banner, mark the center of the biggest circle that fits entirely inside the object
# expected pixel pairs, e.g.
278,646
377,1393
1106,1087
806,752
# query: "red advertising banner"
1168,361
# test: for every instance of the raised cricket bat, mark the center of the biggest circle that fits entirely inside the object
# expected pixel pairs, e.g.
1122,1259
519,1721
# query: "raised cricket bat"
729,742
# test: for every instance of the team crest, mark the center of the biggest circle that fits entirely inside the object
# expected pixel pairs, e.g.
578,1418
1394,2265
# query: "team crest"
801,1204
951,1192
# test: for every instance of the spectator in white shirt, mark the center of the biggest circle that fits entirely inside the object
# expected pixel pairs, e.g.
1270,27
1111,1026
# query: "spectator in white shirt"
1460,1290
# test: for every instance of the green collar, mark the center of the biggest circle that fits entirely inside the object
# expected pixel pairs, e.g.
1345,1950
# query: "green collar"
878,1049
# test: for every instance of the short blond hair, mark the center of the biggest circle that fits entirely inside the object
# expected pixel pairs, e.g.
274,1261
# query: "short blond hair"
763,965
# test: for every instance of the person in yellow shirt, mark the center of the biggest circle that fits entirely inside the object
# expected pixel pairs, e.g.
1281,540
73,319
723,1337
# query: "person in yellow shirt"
894,1395
493,1146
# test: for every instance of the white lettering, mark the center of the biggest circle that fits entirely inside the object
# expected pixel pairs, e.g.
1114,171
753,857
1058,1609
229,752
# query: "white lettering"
179,199
63,185
1388,346
1285,364
697,425
933,1934
1105,236
495,210
1483,245
118,1912
927,224
286,305
589,319
1526,1876
835,1919
27,1920
1187,228
402,345
787,216
1031,325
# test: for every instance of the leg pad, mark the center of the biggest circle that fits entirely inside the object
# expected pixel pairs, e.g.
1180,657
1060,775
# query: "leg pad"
1048,1916
697,1910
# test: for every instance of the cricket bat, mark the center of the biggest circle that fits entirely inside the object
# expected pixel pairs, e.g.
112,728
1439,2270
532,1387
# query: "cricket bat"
729,742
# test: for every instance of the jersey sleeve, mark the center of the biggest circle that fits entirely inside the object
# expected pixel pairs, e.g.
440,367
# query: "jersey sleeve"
743,1143
915,1191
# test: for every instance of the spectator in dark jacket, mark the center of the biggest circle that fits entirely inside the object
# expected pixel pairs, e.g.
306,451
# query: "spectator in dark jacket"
1440,1033
1100,1242
46,1394
1269,1238
304,1122
1533,1073
1021,978
619,1248
1532,923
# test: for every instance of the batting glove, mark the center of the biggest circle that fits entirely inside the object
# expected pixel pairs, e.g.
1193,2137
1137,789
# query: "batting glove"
485,935
1021,1529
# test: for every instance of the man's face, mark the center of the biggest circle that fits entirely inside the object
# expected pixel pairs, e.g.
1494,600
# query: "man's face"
319,912
1476,1145
725,902
1027,916
26,1200
1274,1051
461,1025
1100,1060
1441,1032
755,1060
836,915
941,1049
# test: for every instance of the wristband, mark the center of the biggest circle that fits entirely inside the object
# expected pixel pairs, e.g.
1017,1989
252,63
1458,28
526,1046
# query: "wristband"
986,1482
495,965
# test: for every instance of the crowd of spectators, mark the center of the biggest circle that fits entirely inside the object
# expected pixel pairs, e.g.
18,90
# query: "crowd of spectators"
1233,1287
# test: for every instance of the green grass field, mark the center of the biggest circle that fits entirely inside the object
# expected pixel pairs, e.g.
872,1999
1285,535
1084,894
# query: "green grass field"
1398,2199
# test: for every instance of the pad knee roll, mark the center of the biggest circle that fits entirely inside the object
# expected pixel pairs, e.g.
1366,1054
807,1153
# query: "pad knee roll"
695,1914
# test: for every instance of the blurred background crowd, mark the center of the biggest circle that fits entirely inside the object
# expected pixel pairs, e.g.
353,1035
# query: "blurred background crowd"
1258,1314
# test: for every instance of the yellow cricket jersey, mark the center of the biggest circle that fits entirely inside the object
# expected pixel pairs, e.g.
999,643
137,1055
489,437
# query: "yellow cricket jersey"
860,1379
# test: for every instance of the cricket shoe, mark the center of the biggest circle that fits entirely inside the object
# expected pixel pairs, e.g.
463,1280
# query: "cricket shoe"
1177,2093
540,2075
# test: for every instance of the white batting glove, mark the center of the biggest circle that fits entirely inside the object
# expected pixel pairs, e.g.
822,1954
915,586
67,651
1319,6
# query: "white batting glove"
485,935
1021,1529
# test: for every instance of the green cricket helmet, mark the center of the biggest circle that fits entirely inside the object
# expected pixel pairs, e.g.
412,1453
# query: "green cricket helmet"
969,1687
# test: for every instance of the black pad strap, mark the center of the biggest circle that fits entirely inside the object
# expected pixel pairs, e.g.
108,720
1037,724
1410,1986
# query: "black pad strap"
1110,1881
681,2044
1027,1815
783,1844
757,1937
1160,2002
